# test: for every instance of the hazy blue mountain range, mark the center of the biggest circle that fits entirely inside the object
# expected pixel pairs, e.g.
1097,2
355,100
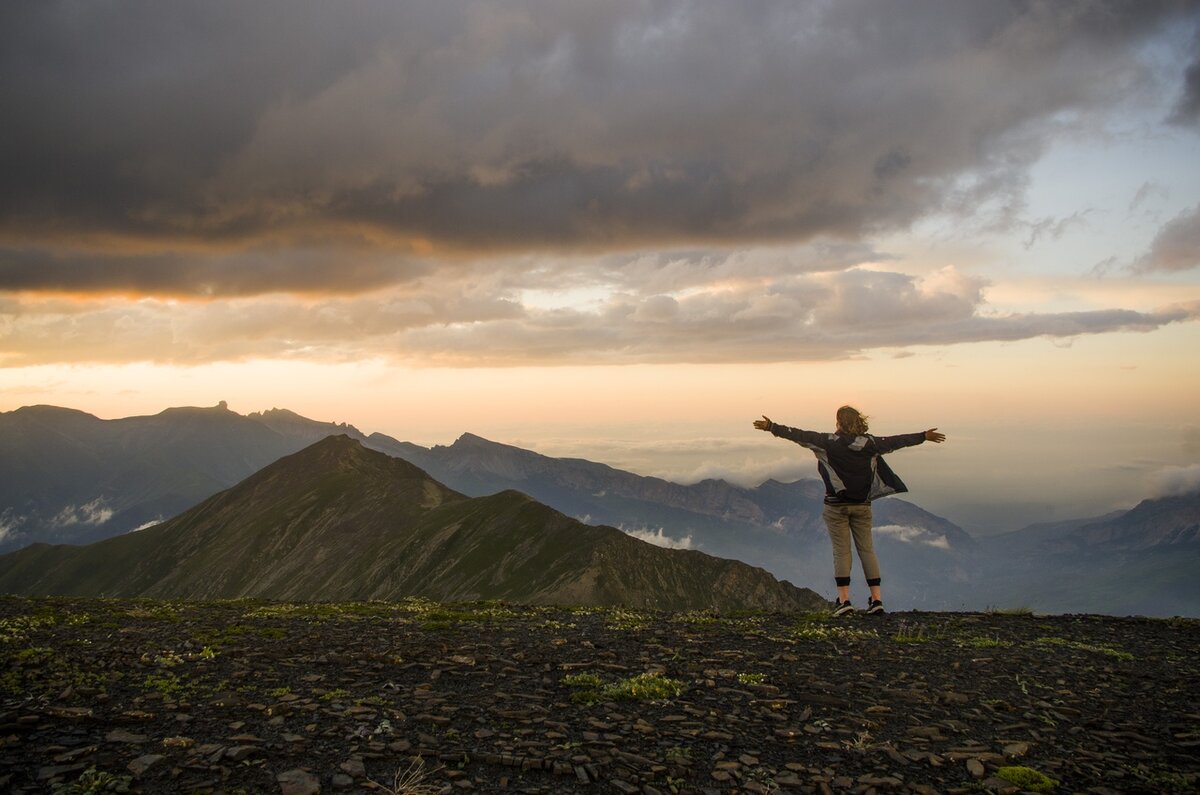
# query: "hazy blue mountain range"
337,521
76,478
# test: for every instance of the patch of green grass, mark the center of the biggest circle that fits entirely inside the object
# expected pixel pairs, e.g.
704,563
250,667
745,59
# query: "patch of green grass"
95,781
583,680
33,655
626,620
10,683
335,694
216,639
983,642
1027,778
17,629
554,625
1160,780
911,634
434,616
279,692
168,684
831,632
1074,644
1010,611
643,687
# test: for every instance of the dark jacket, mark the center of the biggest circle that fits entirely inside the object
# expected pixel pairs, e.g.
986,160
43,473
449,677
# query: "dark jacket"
852,466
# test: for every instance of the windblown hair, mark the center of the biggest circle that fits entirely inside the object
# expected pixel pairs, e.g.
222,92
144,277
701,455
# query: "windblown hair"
851,421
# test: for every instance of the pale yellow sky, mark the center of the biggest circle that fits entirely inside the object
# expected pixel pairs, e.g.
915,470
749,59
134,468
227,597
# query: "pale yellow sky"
1048,427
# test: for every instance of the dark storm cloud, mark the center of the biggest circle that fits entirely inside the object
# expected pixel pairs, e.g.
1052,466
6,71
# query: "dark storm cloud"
1177,245
532,125
314,269
1187,113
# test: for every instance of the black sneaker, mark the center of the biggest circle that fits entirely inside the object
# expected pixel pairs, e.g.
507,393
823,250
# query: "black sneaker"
841,608
874,607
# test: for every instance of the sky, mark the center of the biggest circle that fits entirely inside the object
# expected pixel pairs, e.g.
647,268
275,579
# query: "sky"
624,230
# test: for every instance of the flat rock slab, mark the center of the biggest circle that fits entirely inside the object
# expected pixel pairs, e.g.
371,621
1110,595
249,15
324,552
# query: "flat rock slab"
256,696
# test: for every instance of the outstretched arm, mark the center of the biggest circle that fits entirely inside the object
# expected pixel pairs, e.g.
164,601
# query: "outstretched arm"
890,444
797,435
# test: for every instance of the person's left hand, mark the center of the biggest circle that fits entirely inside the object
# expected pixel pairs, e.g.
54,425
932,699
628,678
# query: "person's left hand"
932,435
764,424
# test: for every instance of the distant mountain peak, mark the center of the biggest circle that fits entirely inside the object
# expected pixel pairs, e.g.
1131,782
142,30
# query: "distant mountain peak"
220,408
474,439
46,410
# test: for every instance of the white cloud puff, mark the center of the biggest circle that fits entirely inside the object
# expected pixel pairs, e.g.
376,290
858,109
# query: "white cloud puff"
913,535
658,538
95,512
1176,481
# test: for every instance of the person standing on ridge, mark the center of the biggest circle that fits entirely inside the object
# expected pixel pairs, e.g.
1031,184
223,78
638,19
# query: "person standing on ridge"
851,463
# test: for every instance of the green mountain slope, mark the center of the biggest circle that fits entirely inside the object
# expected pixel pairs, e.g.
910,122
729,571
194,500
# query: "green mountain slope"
339,521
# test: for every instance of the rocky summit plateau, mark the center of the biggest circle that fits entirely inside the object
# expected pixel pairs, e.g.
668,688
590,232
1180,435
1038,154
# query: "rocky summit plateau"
415,696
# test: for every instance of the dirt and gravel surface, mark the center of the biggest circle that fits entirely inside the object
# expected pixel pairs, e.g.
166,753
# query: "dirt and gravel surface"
167,697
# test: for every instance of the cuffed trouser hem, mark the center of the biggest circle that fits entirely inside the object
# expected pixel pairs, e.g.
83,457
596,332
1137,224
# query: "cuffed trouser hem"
846,523
874,581
842,582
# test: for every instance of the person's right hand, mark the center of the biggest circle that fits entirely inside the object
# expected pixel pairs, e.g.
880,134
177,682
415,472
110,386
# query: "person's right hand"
764,424
932,435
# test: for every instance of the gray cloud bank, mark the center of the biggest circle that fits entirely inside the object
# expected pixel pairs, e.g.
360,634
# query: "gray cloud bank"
531,125
476,322
1177,245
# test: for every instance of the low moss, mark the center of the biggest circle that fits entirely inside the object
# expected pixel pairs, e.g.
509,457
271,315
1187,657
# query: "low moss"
1027,778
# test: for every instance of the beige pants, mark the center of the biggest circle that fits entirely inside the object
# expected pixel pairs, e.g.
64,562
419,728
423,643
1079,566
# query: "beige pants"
846,522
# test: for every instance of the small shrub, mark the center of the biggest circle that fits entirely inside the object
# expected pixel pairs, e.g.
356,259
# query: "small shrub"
752,679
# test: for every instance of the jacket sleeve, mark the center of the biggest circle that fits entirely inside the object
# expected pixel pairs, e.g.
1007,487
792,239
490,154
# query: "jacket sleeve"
888,444
802,437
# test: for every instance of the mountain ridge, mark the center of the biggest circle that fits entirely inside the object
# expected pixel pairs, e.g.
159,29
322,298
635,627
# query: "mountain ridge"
67,476
337,521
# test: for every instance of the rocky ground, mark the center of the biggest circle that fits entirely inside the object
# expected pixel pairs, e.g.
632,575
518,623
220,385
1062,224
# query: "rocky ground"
100,695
